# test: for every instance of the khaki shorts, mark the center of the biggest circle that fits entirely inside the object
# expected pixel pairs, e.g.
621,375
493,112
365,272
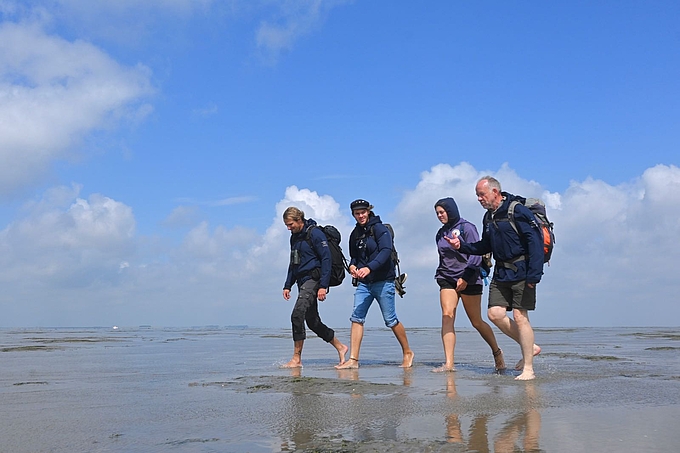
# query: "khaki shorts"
512,295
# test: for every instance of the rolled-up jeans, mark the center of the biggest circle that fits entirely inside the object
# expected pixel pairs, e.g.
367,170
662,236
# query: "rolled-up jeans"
364,296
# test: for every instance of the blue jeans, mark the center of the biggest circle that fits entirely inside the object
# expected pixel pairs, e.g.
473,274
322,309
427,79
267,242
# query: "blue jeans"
364,296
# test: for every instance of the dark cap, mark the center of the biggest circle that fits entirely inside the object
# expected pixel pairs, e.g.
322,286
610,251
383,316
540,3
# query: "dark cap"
360,204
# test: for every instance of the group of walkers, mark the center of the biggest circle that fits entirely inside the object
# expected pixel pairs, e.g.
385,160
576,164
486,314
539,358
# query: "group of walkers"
515,244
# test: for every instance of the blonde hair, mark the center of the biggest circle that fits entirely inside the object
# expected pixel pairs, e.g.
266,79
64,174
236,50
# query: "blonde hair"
294,214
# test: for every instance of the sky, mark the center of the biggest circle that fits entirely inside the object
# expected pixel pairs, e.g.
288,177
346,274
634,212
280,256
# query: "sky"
148,150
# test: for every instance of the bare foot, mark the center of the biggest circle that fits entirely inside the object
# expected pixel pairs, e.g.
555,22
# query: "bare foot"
408,360
520,364
341,353
443,368
350,364
499,360
526,376
294,363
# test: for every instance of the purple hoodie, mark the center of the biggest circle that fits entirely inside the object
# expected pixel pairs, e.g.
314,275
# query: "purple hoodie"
453,264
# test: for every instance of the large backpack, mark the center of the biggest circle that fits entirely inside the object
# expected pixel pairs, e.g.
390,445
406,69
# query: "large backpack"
537,208
401,278
338,261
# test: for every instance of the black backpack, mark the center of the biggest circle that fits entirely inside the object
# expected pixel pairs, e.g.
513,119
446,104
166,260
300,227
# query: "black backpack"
338,261
401,278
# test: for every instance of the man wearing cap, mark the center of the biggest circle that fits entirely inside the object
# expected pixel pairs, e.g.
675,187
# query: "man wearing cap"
371,265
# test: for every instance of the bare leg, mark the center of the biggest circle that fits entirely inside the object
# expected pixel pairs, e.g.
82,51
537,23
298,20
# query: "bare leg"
520,364
508,326
400,333
341,348
296,361
448,299
473,308
356,335
526,337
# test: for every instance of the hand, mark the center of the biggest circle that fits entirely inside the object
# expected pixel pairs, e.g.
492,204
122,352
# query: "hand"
454,242
286,294
531,285
353,271
363,272
461,285
321,294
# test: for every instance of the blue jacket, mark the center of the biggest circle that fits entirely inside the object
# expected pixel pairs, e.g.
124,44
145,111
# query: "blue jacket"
315,259
508,247
452,263
372,250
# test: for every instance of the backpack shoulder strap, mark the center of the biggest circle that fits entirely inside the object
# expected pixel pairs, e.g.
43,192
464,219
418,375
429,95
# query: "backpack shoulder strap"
511,215
308,237
309,233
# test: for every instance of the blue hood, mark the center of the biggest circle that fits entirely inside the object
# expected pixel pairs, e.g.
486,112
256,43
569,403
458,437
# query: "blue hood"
451,208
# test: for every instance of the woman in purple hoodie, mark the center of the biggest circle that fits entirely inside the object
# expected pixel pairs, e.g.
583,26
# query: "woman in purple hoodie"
459,277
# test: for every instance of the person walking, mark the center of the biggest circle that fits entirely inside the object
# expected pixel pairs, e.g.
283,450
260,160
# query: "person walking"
310,268
459,278
370,248
519,266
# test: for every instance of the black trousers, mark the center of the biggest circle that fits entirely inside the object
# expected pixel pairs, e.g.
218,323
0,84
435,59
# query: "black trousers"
307,310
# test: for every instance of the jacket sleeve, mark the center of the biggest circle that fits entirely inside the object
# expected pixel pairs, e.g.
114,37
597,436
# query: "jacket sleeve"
384,243
353,248
480,247
532,236
290,278
323,252
473,261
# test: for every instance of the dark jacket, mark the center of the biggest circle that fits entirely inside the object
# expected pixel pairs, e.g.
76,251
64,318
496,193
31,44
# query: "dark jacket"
508,247
452,263
315,259
371,246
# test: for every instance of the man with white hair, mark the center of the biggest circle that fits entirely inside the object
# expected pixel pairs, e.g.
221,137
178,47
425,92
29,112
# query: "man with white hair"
519,266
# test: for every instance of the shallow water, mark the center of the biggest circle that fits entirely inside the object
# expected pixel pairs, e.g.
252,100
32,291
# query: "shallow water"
220,390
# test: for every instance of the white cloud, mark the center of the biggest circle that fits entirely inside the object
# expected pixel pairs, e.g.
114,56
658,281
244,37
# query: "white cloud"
52,93
293,20
613,242
76,260
64,238
182,216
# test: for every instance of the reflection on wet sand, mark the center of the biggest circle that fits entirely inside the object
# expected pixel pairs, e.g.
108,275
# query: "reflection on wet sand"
526,422
320,418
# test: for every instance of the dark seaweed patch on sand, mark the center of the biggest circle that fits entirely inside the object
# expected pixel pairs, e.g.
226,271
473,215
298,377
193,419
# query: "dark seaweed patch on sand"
74,340
29,348
307,385
572,355
673,336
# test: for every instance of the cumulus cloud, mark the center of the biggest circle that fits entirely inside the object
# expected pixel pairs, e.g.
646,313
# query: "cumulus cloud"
181,216
52,93
64,239
74,257
612,241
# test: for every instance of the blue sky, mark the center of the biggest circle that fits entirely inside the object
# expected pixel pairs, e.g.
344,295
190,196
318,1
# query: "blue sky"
148,149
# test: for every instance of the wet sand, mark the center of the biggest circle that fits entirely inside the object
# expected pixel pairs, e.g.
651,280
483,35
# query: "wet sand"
221,390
